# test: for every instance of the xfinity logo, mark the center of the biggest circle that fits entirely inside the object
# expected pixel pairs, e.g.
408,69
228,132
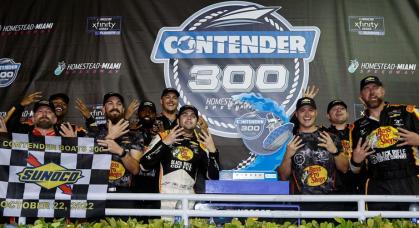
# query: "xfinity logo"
367,25
104,25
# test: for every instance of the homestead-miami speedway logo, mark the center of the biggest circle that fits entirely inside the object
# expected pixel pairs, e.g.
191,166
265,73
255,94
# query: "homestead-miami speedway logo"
234,48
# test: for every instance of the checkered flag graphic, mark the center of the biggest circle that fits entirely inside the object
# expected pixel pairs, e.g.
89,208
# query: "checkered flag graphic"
52,177
246,162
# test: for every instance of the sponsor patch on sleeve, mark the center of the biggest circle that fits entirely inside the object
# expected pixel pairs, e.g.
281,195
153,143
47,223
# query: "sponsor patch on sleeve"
413,109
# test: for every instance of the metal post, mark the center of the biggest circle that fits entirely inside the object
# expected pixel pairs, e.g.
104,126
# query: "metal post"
185,207
21,221
361,209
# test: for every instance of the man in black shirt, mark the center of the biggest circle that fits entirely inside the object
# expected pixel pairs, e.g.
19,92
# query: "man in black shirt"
312,156
386,140
116,139
147,182
337,114
169,102
182,153
44,122
60,102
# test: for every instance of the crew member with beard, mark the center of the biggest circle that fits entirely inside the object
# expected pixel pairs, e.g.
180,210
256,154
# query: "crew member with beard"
61,101
44,123
182,153
169,102
386,140
312,157
116,139
149,127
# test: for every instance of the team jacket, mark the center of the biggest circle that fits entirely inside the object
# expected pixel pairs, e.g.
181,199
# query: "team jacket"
388,160
180,162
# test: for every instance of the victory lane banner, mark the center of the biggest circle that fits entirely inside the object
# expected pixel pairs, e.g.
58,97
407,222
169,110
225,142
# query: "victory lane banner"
52,177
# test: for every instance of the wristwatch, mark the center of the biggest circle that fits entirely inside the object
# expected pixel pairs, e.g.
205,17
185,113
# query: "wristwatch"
124,153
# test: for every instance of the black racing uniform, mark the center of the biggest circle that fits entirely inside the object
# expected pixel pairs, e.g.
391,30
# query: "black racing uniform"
180,163
120,179
351,183
392,170
146,182
314,170
167,123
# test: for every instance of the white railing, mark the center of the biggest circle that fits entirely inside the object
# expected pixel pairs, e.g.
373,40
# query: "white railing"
185,212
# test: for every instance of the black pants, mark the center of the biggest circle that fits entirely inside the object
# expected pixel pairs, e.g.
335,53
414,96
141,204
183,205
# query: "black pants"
129,204
399,186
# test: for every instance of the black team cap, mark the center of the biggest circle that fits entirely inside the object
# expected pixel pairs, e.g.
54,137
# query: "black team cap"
170,90
43,103
145,104
63,96
306,101
112,94
370,79
334,103
188,107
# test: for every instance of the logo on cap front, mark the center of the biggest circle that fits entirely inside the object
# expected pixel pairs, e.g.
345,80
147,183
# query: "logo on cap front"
306,101
369,79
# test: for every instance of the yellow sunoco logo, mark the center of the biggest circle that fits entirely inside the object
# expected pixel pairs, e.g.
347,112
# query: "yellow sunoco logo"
50,175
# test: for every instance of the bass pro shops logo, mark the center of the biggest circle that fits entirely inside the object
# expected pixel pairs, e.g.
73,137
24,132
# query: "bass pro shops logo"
234,48
50,175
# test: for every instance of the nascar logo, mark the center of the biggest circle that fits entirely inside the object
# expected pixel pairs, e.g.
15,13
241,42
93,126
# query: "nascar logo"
50,175
234,48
